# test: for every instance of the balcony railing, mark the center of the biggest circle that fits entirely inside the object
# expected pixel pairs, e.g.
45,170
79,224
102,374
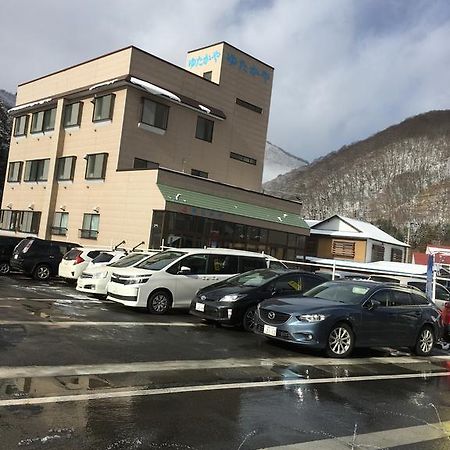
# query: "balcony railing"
60,231
88,234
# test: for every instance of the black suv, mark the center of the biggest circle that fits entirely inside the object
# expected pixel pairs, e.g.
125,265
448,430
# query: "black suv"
7,244
38,257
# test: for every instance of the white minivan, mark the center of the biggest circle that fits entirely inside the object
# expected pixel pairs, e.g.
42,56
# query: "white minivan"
172,278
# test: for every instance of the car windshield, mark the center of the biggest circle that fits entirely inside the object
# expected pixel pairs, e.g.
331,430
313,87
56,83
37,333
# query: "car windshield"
255,278
351,293
160,260
129,260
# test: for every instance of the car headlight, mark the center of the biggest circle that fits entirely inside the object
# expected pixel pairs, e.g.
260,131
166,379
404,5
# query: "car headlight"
232,297
139,280
311,317
99,275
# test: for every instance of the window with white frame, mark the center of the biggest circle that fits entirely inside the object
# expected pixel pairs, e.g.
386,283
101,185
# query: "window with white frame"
60,223
65,168
72,114
43,121
15,171
96,166
36,170
103,108
90,226
21,126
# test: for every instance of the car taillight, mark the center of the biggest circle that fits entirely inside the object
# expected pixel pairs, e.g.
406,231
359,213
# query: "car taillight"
79,260
27,247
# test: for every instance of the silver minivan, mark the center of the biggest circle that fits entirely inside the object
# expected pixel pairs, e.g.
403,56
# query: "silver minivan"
171,278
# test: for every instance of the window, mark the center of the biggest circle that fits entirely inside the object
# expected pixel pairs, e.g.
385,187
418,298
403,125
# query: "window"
199,173
60,223
139,163
248,105
243,158
36,170
90,226
197,264
65,168
289,284
223,264
204,129
8,219
43,121
384,297
207,75
396,255
344,249
29,221
15,171
155,114
400,298
249,263
103,108
377,252
96,166
21,126
72,114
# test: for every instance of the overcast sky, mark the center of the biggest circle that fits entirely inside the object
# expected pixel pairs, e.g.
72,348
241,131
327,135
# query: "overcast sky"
344,69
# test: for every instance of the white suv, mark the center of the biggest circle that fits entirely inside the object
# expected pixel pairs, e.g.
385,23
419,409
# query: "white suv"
172,278
94,279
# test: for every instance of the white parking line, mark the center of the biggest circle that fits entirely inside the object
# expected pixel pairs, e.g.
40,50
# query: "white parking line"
179,365
379,439
64,324
61,300
211,387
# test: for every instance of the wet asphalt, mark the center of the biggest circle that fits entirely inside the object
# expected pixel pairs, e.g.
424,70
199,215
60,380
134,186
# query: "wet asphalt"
78,372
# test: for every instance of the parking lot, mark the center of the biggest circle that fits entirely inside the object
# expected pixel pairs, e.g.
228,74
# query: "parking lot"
81,373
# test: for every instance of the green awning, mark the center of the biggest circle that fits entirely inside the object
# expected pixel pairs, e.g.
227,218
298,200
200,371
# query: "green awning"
225,205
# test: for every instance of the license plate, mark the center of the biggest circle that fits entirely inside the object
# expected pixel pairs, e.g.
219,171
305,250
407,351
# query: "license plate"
271,331
200,307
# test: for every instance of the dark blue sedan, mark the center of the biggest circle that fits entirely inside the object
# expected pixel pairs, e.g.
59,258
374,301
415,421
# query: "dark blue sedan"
340,315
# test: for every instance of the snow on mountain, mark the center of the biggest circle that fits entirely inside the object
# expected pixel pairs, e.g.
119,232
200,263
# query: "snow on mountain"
278,162
8,99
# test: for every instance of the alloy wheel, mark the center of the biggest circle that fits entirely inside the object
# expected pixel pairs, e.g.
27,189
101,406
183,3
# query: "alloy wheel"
426,340
340,340
160,303
42,273
4,268
249,319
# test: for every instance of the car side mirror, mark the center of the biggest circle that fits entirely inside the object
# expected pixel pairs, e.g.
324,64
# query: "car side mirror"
372,304
184,270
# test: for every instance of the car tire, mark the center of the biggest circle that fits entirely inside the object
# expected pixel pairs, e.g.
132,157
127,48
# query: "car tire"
425,342
340,341
5,268
159,302
248,321
42,272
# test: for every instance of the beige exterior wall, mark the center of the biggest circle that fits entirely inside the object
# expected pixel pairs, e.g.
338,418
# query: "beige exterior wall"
83,75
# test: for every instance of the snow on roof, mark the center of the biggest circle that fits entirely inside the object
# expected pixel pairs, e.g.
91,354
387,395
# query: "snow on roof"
204,108
105,83
155,90
30,105
364,230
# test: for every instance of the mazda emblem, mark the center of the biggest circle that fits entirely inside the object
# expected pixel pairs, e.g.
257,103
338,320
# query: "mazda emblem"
203,297
271,315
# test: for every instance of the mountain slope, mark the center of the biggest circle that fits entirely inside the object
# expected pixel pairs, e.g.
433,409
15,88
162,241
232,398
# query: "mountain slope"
401,174
278,162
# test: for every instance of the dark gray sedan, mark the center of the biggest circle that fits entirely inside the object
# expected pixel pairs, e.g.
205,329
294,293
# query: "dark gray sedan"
339,315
